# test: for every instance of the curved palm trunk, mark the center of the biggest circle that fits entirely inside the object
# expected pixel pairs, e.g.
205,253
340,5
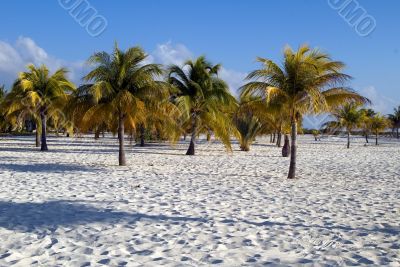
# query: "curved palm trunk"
293,150
43,118
279,141
244,145
191,149
208,136
366,138
286,147
142,134
97,133
121,129
348,139
37,138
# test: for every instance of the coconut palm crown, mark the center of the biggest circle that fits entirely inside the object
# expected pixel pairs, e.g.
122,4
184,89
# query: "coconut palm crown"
203,98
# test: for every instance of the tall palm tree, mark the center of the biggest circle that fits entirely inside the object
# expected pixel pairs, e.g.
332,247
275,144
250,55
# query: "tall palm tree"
395,121
348,116
308,81
46,93
378,124
122,83
204,99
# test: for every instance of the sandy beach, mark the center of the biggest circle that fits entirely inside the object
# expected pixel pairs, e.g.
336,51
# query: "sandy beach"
74,206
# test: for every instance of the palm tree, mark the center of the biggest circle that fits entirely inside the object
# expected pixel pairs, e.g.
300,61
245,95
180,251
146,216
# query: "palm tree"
308,81
316,134
17,107
368,114
378,124
43,92
122,83
247,123
395,120
3,122
348,116
204,99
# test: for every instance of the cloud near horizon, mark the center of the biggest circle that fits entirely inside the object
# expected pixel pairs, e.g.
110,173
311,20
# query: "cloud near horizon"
15,57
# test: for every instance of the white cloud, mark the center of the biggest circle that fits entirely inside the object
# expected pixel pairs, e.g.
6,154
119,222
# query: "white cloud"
168,54
15,57
235,79
380,102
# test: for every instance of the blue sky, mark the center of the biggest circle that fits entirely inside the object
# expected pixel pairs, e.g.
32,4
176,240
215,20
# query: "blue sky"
229,32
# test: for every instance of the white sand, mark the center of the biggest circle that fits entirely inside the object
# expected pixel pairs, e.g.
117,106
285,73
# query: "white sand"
73,206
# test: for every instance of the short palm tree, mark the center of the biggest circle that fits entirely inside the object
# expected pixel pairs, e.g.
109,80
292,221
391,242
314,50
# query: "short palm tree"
17,107
43,94
308,81
204,100
348,116
395,121
248,125
378,124
121,84
368,114
4,124
162,117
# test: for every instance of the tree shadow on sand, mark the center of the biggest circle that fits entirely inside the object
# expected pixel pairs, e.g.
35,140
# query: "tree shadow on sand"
46,168
48,216
35,217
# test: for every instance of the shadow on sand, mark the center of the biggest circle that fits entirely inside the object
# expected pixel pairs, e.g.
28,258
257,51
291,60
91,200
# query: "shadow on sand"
48,216
46,168
34,217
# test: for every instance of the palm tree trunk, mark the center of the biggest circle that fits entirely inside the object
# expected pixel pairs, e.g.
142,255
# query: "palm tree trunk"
121,129
97,133
366,138
208,136
270,138
293,150
191,149
348,139
376,138
142,134
286,147
274,138
279,141
43,139
244,147
37,137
